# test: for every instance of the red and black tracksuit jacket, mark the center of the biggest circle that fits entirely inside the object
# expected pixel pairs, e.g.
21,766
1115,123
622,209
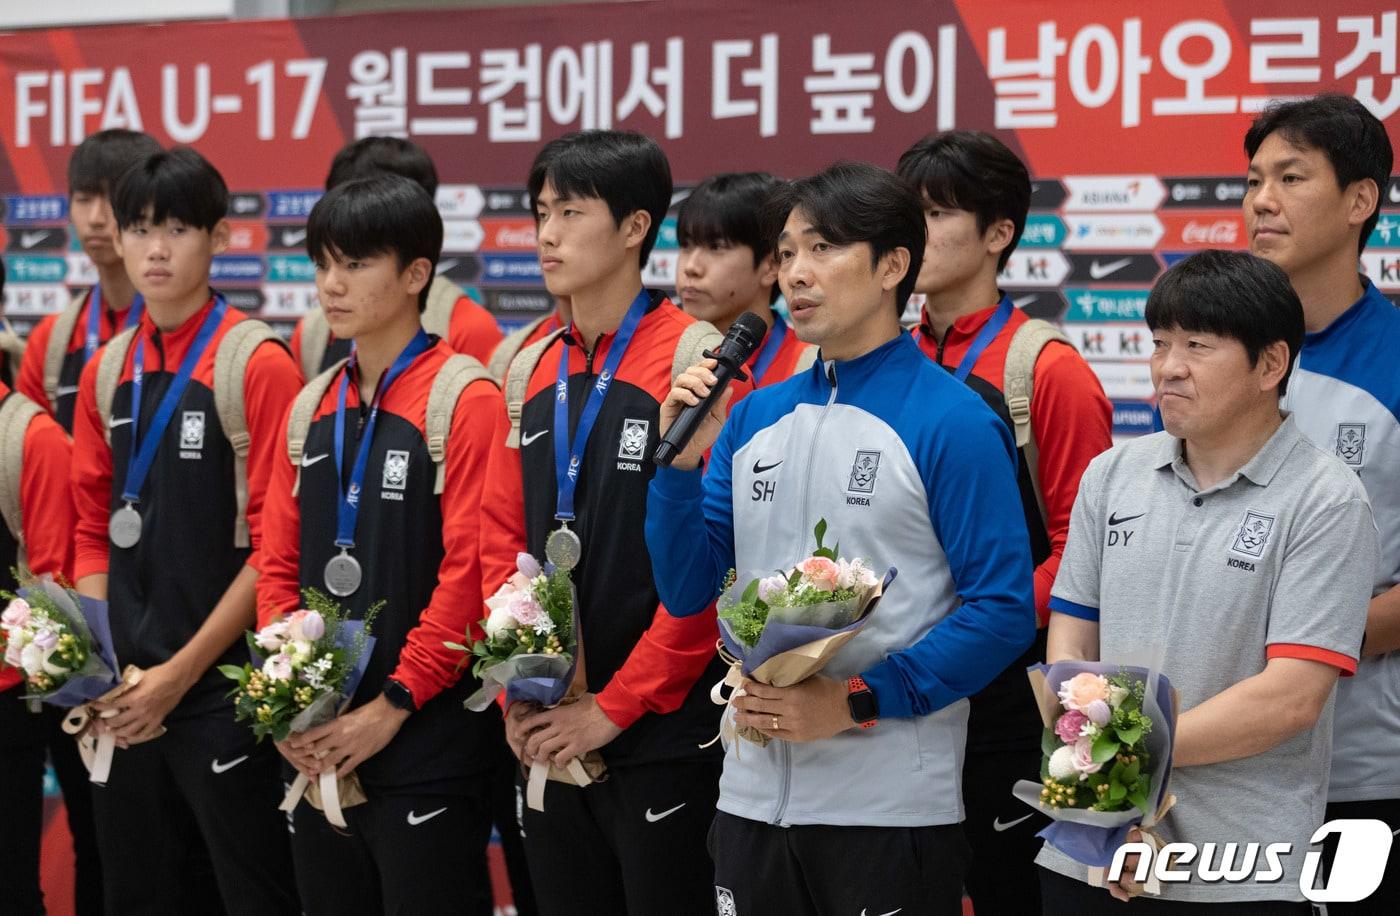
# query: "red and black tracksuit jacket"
161,590
473,331
1072,421
420,555
31,374
651,671
46,508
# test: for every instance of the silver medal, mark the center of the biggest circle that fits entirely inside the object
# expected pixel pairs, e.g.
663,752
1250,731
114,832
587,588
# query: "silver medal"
124,528
563,548
343,575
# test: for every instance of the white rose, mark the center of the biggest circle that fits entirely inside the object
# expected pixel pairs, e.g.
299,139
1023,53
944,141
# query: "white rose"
499,620
31,659
1062,762
1116,695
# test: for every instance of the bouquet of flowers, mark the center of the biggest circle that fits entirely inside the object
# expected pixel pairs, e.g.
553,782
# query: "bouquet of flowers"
531,653
783,628
1106,755
62,641
311,662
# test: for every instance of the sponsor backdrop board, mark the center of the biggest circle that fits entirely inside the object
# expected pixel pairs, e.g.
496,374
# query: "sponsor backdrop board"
1131,122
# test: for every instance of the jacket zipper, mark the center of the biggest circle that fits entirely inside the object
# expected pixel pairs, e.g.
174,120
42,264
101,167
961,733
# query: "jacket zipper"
786,752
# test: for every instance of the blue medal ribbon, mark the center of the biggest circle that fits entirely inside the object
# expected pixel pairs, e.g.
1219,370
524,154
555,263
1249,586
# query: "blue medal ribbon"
568,458
93,340
989,332
348,510
776,335
143,448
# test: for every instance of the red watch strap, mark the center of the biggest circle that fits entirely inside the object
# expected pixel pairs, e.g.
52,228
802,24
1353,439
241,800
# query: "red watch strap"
856,684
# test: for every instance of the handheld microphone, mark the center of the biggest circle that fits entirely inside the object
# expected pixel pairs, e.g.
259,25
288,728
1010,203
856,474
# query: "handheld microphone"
744,336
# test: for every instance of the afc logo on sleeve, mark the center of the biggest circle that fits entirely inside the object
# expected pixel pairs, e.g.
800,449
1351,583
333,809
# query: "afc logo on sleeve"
1351,444
192,434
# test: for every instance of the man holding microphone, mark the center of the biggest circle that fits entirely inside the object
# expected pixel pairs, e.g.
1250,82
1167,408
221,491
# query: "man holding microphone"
849,243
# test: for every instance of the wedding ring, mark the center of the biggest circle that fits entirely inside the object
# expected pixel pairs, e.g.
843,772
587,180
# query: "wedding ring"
775,724
319,755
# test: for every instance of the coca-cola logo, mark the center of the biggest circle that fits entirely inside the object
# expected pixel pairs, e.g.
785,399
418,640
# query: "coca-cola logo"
515,237
1220,232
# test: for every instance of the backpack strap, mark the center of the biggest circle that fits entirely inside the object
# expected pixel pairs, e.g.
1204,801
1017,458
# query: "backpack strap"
442,301
1018,382
16,413
60,334
806,359
451,380
315,338
303,409
518,381
109,372
690,349
505,351
236,348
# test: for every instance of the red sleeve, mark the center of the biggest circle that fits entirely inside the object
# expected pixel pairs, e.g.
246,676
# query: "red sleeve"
473,330
30,381
270,385
1073,423
92,479
427,667
502,512
46,497
1339,660
279,552
662,667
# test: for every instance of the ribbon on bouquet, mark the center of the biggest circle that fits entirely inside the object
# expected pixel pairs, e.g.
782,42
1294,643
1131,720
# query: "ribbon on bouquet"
1098,877
330,793
733,678
97,750
541,772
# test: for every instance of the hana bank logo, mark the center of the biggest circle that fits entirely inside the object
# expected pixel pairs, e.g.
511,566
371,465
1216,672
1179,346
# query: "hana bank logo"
1359,866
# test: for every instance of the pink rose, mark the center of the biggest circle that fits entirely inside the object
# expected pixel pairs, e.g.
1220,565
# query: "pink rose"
17,614
820,573
307,626
272,637
278,667
518,581
1069,725
1082,689
1098,712
1083,759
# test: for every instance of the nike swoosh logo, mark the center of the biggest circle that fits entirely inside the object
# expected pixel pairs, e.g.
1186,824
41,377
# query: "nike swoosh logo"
526,440
653,818
1099,271
998,826
113,422
65,390
218,767
30,239
764,468
308,460
1115,520
1395,194
891,912
295,238
1022,301
415,819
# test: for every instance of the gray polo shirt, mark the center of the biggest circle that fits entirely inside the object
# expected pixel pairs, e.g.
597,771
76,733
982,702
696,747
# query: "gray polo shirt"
1274,561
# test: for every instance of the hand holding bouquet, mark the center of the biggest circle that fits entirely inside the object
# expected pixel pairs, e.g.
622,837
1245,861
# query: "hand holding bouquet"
312,661
783,628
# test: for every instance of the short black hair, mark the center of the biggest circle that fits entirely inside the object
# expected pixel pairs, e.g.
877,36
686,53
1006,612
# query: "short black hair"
1342,129
382,214
854,202
624,169
1233,294
104,157
974,171
727,209
178,183
371,155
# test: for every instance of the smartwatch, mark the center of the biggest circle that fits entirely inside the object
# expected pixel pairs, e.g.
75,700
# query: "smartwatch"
399,696
864,708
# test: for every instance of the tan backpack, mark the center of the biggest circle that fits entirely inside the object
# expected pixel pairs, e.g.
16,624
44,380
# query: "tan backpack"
694,341
506,350
16,413
236,348
60,334
437,319
451,380
1018,382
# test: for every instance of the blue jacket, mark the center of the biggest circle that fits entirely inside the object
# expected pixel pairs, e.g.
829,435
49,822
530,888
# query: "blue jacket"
910,469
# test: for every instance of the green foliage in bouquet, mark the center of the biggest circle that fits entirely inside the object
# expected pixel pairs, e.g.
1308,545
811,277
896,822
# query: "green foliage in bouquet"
1119,751
46,667
528,615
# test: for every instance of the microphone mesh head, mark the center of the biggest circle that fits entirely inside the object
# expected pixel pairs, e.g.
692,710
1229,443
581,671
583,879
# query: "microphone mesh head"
744,336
